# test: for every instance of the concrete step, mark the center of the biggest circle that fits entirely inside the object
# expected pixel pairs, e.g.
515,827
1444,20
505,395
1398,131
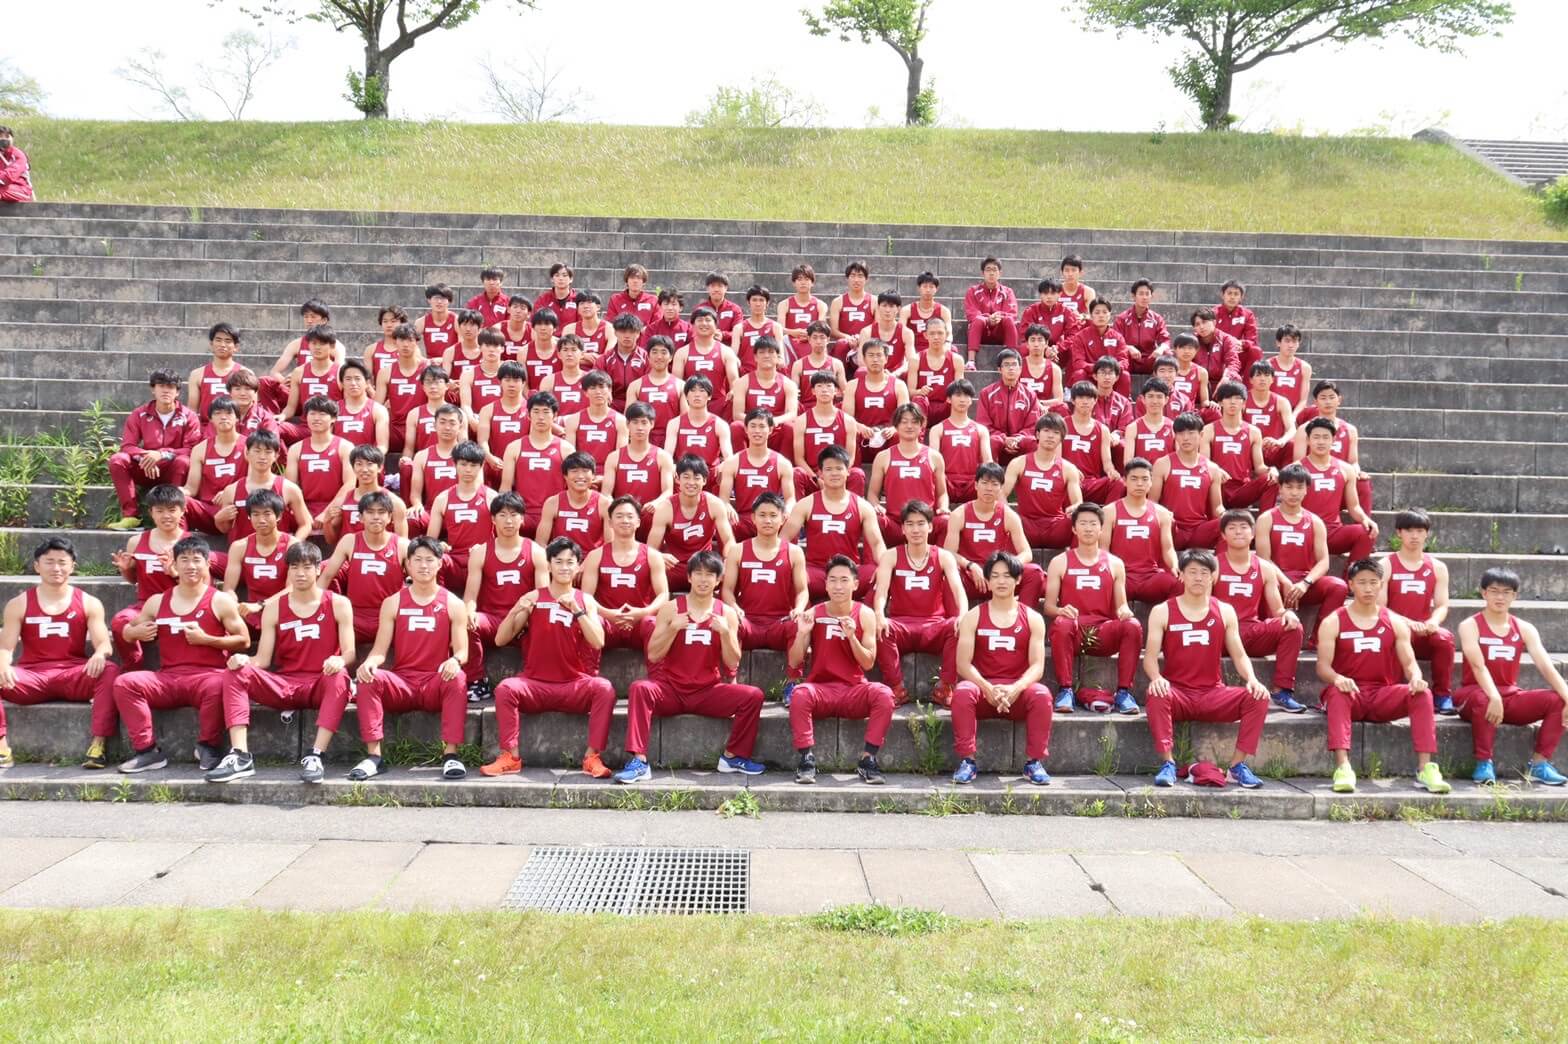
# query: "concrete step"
1485,531
1500,494
1474,457
1457,425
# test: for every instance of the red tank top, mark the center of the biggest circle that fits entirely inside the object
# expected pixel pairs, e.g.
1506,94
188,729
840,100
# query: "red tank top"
749,336
1185,493
506,427
1367,654
466,522
695,658
1339,449
1266,418
540,366
765,588
570,394
151,577
820,435
211,385
373,575
1193,648
350,506
665,398
1232,451
699,440
53,639
303,643
1412,592
1001,654
382,356
852,317
1241,589
597,438
1501,653
312,384
320,473
424,426
1077,301
556,650
908,478
1041,491
264,575
638,477
439,338
1152,445
597,343
960,446
1046,384
403,394
932,380
832,660
917,326
979,539
830,533
462,362
753,480
689,534
798,316
242,527
1326,492
709,364
218,472
504,582
484,389
537,476
422,635
875,409
358,428
440,475
516,343
1136,539
1091,589
585,524
1291,543
1084,450
772,397
625,586
174,652
916,592
1287,381
1187,385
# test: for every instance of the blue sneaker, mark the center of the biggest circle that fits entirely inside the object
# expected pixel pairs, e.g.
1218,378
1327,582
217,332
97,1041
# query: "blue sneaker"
789,690
1285,700
1484,773
742,765
635,771
1035,773
966,772
1244,777
1166,777
1065,699
1124,703
1444,705
1543,772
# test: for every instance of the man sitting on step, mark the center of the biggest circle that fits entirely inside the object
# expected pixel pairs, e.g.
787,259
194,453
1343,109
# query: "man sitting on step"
1086,601
1415,586
1250,585
155,448
919,599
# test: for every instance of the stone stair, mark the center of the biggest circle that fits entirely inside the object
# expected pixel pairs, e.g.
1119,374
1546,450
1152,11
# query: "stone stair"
1453,355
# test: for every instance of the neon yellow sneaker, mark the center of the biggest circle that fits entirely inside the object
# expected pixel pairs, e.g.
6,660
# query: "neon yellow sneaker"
1431,777
126,522
6,759
1344,780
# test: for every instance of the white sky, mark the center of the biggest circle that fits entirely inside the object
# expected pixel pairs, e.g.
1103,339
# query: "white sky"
1025,65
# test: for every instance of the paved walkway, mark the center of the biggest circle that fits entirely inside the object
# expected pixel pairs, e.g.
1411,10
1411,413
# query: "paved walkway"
73,854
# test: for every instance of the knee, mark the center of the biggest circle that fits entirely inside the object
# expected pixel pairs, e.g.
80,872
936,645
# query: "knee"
881,698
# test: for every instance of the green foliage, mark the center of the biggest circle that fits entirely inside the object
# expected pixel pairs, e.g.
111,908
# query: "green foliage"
947,803
1107,763
366,93
901,24
925,111
761,104
73,471
926,730
11,561
162,794
20,467
1554,201
877,919
123,792
20,94
743,804
1090,809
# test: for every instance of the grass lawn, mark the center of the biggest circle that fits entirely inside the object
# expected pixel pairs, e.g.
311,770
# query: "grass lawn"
1245,182
176,975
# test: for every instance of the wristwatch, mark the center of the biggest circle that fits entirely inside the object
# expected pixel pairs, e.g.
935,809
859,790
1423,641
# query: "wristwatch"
576,613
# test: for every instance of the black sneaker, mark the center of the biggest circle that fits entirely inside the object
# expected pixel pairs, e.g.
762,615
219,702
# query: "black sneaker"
236,764
869,771
147,760
371,767
207,758
479,690
806,771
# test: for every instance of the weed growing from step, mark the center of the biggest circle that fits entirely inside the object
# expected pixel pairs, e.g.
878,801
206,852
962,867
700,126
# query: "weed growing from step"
72,471
38,268
1107,763
19,469
358,795
123,793
1277,767
1090,809
1142,805
90,792
744,804
877,919
945,803
162,794
1374,765
926,729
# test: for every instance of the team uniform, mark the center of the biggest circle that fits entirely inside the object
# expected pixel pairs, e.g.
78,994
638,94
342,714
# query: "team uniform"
565,308
1326,499
1087,347
830,533
262,574
1041,497
628,586
903,480
690,680
980,301
766,594
960,446
357,427
295,682
665,398
1151,445
1006,412
1191,651
584,524
373,575
686,535
710,364
597,438
1185,494
818,436
464,524
1232,452
146,432
492,308
218,472
1291,547
1242,590
421,642
439,336
979,539
1084,452
187,675
1412,593
562,675
320,474
503,584
928,384
836,686
700,441
1369,657
53,662
1503,654
1147,333
751,481
919,618
1135,539
1001,656
1091,589
1242,325
623,370
537,477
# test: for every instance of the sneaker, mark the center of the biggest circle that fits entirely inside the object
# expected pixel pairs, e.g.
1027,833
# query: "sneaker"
1065,699
479,690
942,694
236,764
1166,777
453,768
286,717
1124,703
1444,705
1285,700
806,771
1545,773
1431,777
7,760
1244,777
789,690
505,764
594,765
311,770
966,771
1484,773
900,696
370,768
1344,780
96,757
745,766
207,758
125,522
869,771
635,770
145,761
1035,773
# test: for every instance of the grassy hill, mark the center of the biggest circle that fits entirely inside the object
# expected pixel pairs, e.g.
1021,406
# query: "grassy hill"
1239,182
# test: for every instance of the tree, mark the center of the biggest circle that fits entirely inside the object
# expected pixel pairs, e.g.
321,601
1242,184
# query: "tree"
149,70
1233,36
368,90
233,82
20,94
531,95
762,103
901,24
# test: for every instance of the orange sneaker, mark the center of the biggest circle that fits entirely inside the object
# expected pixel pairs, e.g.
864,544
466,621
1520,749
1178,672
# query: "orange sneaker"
506,764
595,767
900,696
942,694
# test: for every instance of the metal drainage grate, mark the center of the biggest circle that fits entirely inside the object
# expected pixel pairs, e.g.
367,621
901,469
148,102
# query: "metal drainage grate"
588,879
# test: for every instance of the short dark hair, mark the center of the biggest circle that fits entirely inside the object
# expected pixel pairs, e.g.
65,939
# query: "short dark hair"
626,321
768,498
1500,576
1363,565
640,411
1320,424
315,306
264,438
1234,515
1154,384
165,495
1088,507
55,543
1137,464
917,507
439,290
191,545
841,562
358,364
321,404
508,501
1015,565
705,562
1287,330
321,333
375,500
1083,390
692,464
302,552
838,453
1198,556
468,452
991,471
1188,421
1294,475
264,500
163,377
543,398
1412,518
224,328
1050,422
1073,261
578,461
423,543
368,452
1229,390
222,404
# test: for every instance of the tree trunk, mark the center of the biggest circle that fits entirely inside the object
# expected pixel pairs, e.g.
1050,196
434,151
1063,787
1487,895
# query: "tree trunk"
378,69
1216,111
916,65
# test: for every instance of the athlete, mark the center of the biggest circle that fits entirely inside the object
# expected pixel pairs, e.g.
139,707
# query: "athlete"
1086,601
919,599
1415,586
1251,586
1139,532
